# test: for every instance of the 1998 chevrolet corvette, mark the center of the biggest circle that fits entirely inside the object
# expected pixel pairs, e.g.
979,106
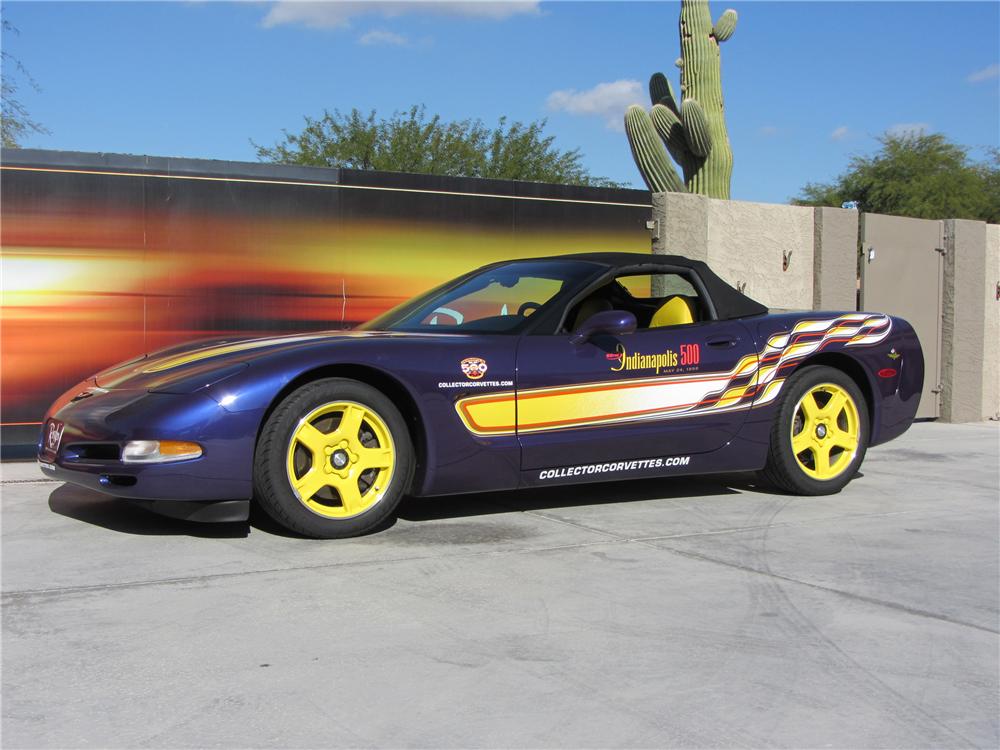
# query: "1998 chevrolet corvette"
574,368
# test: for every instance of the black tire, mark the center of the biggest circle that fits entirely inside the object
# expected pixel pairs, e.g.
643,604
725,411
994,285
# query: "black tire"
800,474
279,452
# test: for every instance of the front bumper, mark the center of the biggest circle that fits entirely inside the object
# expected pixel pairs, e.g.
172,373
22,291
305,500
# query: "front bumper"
191,508
110,419
175,482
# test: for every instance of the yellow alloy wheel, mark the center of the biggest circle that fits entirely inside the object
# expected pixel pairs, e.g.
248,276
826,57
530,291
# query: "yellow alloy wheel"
340,459
825,431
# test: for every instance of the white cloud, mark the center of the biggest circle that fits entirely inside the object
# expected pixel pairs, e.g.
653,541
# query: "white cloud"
606,100
333,15
839,133
380,36
986,74
768,131
908,128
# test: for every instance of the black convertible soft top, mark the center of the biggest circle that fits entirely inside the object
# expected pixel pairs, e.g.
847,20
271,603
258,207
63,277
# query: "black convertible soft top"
729,303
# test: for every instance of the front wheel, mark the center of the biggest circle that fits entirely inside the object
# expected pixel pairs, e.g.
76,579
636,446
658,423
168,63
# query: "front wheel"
820,433
333,460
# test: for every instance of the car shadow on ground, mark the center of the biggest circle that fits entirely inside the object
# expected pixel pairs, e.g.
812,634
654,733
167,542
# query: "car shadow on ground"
125,517
574,495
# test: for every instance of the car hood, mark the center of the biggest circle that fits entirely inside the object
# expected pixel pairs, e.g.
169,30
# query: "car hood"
188,367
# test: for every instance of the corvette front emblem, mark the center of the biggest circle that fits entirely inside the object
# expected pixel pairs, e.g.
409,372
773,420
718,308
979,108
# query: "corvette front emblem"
54,436
474,367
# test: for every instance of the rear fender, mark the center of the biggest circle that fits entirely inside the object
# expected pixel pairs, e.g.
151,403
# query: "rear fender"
871,348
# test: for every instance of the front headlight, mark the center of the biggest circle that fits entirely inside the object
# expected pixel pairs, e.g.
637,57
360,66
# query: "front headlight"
159,451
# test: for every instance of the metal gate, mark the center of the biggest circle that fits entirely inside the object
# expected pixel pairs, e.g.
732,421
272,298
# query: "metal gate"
902,273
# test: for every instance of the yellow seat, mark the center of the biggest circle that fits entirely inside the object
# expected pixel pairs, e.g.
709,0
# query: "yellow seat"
676,311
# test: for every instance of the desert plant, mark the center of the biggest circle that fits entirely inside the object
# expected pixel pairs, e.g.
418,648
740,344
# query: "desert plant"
693,131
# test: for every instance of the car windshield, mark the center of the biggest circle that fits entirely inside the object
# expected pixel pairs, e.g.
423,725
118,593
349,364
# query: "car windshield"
497,299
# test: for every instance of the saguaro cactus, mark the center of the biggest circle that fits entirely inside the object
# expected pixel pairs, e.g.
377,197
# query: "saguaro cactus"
694,132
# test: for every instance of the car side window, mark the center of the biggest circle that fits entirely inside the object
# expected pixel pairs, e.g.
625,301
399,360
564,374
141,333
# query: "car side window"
657,300
657,286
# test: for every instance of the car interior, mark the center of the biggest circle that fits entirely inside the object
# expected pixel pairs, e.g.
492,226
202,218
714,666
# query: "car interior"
656,300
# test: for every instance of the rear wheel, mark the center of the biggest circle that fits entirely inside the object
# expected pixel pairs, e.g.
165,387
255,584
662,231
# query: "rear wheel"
333,460
820,433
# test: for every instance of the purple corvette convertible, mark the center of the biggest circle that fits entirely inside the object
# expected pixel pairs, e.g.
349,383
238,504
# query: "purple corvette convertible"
576,368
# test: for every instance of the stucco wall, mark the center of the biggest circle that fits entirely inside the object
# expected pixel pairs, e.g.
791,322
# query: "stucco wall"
835,259
750,241
745,243
970,327
991,350
682,225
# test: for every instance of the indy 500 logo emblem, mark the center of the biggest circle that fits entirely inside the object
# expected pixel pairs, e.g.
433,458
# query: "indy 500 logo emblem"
474,367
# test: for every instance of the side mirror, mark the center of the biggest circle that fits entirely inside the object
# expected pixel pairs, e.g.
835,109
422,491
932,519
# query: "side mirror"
614,322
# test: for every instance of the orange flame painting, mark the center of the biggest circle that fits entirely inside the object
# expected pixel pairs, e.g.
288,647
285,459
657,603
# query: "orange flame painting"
99,267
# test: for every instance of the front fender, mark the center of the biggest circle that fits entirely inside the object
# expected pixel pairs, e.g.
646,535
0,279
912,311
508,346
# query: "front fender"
450,459
253,392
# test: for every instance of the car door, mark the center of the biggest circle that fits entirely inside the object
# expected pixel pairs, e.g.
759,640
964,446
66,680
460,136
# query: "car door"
656,392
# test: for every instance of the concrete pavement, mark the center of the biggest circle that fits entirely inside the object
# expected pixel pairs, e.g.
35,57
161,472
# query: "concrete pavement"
681,613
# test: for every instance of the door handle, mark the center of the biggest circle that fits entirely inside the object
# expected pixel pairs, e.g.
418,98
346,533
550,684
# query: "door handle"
722,342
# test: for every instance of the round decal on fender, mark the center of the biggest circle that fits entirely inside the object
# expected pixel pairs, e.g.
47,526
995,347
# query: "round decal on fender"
474,367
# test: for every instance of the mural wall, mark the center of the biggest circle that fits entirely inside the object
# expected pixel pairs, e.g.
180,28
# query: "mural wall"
107,257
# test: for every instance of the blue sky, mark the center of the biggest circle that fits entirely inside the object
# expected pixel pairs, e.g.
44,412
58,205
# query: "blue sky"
807,84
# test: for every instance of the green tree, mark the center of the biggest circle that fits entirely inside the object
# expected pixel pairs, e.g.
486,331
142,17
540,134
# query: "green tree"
15,122
989,170
413,142
917,174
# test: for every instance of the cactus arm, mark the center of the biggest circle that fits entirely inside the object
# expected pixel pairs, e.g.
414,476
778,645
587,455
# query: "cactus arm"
696,132
671,131
661,92
725,26
655,168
